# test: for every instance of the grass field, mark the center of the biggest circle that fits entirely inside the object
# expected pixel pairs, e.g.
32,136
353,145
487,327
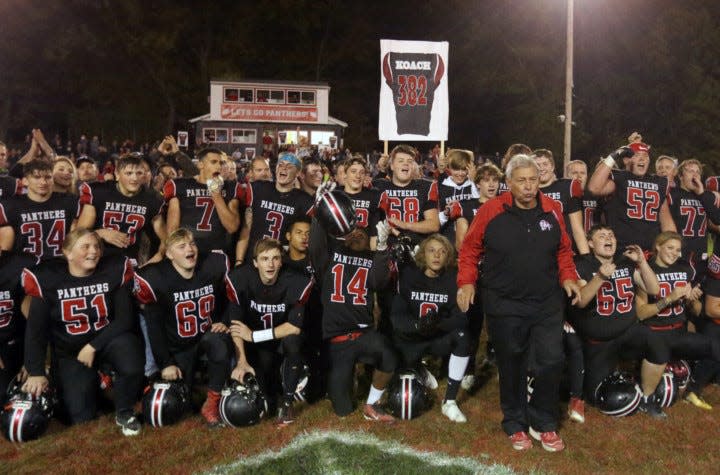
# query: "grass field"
685,443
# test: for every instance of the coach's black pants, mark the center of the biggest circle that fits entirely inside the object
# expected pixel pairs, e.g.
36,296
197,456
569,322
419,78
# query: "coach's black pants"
217,349
371,348
78,385
513,337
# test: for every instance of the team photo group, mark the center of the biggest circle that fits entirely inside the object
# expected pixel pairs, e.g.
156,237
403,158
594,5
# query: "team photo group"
131,291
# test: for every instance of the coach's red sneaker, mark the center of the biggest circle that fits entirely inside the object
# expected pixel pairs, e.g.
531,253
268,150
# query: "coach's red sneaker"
210,409
375,412
521,441
550,441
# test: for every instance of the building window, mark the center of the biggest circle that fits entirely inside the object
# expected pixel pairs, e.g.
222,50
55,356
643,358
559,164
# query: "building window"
277,97
246,95
293,97
231,94
321,137
262,95
244,136
215,135
307,97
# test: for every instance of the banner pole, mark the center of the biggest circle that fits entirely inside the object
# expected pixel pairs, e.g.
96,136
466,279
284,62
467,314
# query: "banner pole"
385,147
442,148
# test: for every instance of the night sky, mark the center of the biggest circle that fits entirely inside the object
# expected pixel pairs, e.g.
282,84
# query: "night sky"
138,68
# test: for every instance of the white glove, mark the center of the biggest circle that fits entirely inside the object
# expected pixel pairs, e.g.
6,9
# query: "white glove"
215,184
383,231
326,187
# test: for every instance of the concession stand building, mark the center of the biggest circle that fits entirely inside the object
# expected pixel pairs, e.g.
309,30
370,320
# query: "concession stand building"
254,116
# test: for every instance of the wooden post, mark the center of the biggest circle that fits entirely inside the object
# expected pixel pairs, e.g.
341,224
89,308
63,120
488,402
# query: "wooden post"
385,147
442,148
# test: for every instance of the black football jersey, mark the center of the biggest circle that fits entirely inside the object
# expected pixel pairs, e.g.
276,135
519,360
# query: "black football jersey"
413,78
567,192
679,274
367,210
263,307
80,309
409,203
419,294
690,213
12,322
592,207
272,210
40,228
613,309
127,214
10,186
633,210
180,309
197,210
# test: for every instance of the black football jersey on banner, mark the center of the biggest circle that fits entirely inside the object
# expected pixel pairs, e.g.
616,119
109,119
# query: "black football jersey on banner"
413,78
127,214
409,203
690,213
12,322
420,294
679,274
272,210
40,228
633,210
184,309
568,193
197,210
80,308
367,202
262,307
10,186
613,309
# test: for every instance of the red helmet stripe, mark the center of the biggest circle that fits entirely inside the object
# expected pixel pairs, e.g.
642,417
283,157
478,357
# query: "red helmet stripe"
156,412
336,212
16,425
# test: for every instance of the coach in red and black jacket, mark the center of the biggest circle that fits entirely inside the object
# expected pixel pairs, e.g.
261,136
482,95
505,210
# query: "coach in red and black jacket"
526,260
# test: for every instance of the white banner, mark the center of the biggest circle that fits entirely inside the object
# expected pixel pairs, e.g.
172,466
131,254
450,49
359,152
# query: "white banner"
413,90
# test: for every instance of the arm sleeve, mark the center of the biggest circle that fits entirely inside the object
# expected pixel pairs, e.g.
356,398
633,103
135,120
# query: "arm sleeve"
402,320
124,317
472,250
456,319
36,336
154,315
296,315
566,265
712,212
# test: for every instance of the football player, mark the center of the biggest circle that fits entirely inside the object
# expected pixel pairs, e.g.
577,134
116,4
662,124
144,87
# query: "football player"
267,319
83,308
37,223
184,297
638,206
205,203
457,193
427,320
592,208
271,205
311,175
12,323
667,312
120,210
690,207
349,272
606,316
365,200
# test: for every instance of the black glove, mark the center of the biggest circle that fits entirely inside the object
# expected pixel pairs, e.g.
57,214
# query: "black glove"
427,323
622,152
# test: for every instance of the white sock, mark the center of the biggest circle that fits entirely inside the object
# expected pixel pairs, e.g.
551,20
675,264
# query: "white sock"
374,395
457,367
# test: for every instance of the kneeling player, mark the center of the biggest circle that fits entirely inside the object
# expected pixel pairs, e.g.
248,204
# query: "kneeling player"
607,320
426,317
268,311
84,307
349,273
184,299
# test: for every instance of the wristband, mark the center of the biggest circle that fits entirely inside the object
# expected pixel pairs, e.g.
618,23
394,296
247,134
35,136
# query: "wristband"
263,335
609,162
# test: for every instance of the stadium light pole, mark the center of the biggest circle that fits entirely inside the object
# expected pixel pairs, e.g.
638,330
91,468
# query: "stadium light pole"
568,85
